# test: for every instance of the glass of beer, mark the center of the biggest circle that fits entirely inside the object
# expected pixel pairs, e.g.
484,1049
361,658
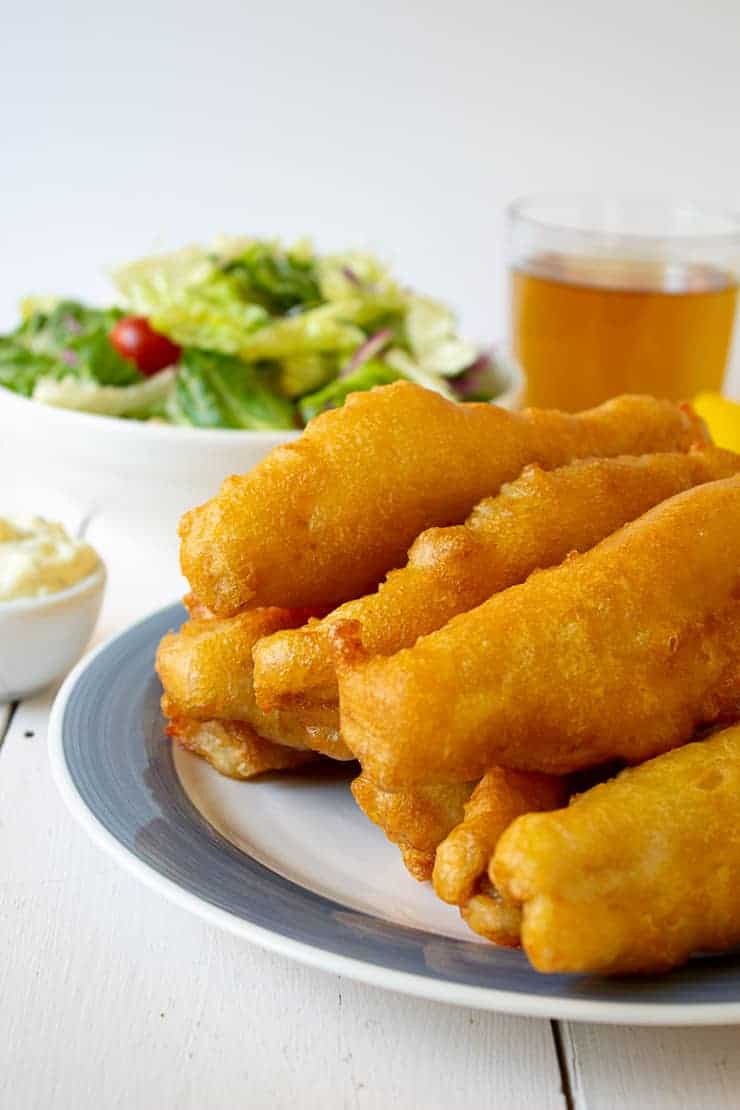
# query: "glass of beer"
620,295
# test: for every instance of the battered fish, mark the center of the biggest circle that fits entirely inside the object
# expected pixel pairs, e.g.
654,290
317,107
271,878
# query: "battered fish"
415,820
322,519
232,747
534,522
636,874
616,654
491,916
206,670
463,856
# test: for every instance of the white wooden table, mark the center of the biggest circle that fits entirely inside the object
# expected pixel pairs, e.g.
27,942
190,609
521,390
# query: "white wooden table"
111,997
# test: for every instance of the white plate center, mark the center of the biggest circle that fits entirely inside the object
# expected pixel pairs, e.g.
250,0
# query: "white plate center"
308,829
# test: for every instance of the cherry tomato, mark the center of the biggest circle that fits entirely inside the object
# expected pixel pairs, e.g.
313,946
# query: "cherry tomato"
134,339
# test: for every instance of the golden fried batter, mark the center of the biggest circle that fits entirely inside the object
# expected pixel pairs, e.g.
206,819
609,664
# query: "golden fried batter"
322,519
232,747
534,522
492,916
415,820
636,874
501,795
206,670
618,653
196,610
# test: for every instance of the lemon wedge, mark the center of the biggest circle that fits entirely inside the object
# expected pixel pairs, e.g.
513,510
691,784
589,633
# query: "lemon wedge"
722,417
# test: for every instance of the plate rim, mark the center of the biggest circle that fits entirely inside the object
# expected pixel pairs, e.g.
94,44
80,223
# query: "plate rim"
516,1003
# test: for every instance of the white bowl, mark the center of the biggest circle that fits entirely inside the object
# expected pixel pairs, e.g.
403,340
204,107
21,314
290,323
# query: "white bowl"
139,477
41,638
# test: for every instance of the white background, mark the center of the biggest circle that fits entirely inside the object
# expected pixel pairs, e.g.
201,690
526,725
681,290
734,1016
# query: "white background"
403,126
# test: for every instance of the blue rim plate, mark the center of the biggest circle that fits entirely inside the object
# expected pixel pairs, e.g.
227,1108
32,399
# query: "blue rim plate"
116,773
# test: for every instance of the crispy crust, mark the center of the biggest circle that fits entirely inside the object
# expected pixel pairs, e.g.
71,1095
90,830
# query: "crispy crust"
463,856
369,477
637,873
232,747
492,916
415,820
620,653
206,670
534,522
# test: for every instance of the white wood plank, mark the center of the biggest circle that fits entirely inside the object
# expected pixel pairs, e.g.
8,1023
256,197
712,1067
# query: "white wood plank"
113,998
653,1069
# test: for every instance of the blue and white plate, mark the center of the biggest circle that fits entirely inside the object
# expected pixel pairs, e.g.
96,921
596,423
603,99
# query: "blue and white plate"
290,863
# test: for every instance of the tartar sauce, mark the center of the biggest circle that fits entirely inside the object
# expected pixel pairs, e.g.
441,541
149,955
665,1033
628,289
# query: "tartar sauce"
39,557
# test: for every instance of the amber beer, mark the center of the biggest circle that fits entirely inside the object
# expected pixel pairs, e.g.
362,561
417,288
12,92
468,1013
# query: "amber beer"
584,330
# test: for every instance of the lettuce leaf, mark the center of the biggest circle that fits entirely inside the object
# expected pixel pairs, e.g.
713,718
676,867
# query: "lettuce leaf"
432,338
407,367
278,280
218,391
153,283
210,316
143,400
77,337
64,339
319,329
355,273
366,295
20,368
216,301
304,373
334,395
186,297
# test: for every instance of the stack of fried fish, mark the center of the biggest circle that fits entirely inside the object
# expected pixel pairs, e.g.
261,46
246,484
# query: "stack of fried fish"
525,626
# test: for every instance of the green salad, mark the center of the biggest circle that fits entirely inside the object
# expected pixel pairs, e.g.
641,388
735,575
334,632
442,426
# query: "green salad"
247,334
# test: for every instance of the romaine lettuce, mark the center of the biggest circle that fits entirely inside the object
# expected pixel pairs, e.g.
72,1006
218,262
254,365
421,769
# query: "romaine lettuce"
355,273
334,395
218,391
279,280
153,283
63,340
407,367
260,325
187,298
319,329
20,368
304,373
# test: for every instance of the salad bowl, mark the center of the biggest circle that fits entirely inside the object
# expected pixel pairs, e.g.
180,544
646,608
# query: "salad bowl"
208,359
142,476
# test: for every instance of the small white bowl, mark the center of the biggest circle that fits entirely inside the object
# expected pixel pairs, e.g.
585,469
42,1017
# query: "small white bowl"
41,638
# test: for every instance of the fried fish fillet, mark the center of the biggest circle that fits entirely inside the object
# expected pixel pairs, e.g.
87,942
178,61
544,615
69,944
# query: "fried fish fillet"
415,820
636,874
501,795
232,747
492,916
206,671
534,522
198,611
616,654
322,519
